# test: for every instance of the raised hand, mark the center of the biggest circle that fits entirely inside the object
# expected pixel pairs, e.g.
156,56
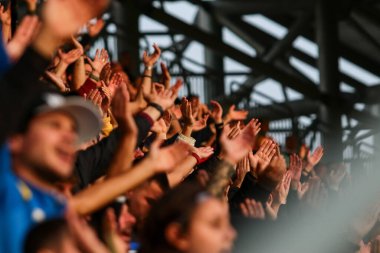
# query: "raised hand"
106,73
121,110
165,159
295,167
101,59
115,82
335,177
236,115
177,86
203,152
150,59
164,98
22,37
70,57
260,160
271,212
57,81
234,150
235,131
166,77
200,124
316,195
217,112
241,170
187,112
5,15
314,158
252,209
302,188
107,97
280,194
96,98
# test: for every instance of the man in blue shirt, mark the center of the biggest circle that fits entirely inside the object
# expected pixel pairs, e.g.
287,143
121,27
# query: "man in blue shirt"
41,153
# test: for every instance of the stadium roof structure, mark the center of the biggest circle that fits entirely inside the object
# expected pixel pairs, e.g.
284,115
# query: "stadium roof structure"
311,67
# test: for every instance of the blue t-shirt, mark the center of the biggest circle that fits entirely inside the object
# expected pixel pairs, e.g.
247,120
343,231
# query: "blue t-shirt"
22,206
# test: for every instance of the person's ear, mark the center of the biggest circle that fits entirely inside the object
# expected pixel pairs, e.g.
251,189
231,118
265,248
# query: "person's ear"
15,143
176,237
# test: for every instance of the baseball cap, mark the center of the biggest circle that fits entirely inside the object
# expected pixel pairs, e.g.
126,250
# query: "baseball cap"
86,115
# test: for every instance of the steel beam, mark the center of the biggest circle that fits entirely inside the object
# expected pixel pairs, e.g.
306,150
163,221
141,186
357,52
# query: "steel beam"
212,42
329,115
277,111
263,6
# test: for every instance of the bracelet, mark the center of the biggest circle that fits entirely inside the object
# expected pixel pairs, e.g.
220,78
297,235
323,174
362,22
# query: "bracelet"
149,67
147,76
188,140
157,107
92,76
220,125
196,157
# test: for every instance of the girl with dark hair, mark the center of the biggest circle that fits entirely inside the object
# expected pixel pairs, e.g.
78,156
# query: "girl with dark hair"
188,219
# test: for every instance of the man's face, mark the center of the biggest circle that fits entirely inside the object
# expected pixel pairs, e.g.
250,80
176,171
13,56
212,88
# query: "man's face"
126,221
48,146
141,199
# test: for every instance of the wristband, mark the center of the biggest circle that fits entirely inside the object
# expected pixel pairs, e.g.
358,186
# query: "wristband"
92,76
147,76
199,159
196,157
220,125
157,107
149,67
188,140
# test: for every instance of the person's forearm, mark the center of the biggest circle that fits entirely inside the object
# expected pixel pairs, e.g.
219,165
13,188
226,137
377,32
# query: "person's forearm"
99,195
124,155
7,33
182,171
153,113
175,128
187,130
60,69
79,75
147,79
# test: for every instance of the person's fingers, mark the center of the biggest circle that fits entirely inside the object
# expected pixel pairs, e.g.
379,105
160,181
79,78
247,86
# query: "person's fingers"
265,146
97,54
157,49
270,199
244,209
92,94
261,210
